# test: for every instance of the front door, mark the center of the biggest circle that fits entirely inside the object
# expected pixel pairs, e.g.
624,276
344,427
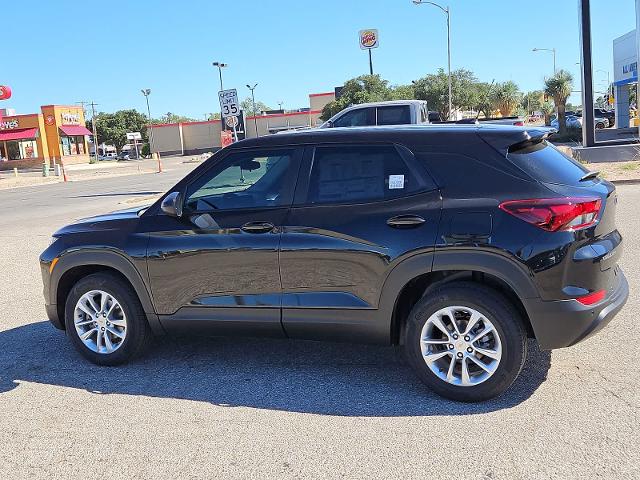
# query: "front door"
359,211
216,267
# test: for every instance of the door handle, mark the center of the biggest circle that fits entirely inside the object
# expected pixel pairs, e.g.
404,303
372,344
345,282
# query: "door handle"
405,221
257,227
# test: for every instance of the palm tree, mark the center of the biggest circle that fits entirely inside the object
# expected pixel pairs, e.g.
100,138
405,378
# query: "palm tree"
506,97
559,88
547,110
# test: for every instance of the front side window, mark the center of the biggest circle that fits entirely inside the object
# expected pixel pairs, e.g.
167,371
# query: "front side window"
359,174
354,118
244,180
395,115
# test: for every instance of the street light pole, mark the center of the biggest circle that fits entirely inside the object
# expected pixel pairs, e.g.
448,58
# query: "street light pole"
552,50
447,12
253,100
220,66
146,92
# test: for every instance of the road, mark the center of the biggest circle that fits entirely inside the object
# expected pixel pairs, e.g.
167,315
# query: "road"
247,408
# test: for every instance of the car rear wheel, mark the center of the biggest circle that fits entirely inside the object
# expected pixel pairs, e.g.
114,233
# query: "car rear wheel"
465,341
105,321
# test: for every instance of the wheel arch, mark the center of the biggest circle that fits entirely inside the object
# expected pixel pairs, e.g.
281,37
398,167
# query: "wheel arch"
74,266
414,277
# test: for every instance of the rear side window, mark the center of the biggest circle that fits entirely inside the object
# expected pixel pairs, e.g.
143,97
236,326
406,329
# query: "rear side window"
359,174
395,115
545,163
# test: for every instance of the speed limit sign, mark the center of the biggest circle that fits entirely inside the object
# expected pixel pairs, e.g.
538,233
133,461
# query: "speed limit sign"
229,105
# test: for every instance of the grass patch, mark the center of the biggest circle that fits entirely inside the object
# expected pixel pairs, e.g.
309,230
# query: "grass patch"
630,166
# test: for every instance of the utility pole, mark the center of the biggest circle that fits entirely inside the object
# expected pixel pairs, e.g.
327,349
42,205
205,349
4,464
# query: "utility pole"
447,12
255,113
95,132
146,92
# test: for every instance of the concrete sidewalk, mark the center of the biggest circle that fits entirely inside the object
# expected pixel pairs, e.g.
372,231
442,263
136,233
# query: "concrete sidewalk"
88,171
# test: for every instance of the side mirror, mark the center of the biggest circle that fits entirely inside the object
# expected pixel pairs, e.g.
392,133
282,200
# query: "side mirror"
250,165
172,204
329,124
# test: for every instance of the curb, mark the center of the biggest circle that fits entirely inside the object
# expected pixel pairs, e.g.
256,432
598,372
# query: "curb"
632,181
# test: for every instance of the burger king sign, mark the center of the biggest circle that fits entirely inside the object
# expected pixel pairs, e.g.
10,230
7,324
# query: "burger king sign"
368,39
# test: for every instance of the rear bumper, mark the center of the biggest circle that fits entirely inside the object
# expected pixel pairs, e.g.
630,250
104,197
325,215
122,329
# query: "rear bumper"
563,323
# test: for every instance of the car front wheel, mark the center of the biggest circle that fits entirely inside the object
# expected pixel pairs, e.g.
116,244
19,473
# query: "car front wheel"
104,319
465,341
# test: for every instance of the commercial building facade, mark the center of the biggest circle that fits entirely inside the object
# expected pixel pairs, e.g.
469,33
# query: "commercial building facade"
56,134
625,75
196,137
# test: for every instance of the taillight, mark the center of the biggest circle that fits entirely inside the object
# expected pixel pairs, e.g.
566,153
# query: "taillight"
556,214
518,123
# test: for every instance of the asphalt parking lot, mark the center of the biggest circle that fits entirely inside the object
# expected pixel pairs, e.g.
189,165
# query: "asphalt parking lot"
247,408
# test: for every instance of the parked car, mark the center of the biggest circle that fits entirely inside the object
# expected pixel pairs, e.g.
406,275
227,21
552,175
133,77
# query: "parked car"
576,122
570,120
454,242
610,115
400,112
128,155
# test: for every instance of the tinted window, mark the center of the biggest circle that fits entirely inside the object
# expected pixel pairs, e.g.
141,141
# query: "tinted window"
359,174
244,180
547,164
354,118
396,115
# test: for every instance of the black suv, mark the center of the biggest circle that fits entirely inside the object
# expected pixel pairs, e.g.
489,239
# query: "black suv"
455,242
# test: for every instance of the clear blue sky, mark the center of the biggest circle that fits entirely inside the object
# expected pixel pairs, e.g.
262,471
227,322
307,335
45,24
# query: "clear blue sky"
52,54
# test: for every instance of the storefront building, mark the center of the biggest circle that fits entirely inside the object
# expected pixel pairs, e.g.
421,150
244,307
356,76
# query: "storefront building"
187,138
625,76
57,134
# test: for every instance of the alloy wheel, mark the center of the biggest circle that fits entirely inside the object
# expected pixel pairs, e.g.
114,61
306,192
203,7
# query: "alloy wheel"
461,346
100,322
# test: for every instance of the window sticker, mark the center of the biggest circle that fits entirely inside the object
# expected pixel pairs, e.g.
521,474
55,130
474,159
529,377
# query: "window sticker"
396,182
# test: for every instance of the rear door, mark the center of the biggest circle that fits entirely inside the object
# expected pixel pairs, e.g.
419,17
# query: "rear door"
359,210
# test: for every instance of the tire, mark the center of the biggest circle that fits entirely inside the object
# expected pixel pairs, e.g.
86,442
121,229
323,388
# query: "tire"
127,319
493,310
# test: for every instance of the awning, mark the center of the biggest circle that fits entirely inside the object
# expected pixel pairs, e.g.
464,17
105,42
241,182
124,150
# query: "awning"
626,81
19,134
74,130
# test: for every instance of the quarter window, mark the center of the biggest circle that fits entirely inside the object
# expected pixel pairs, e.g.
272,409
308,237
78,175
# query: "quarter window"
244,180
395,115
359,174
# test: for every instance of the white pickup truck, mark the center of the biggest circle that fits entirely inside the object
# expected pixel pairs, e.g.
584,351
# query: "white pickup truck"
400,112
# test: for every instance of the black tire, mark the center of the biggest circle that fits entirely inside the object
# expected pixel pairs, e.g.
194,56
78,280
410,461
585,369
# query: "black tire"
138,332
502,314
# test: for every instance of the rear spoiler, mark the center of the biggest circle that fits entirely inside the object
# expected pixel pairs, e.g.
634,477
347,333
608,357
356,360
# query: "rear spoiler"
509,142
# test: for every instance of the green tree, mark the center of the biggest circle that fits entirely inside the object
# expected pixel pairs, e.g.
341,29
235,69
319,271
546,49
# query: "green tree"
559,88
247,106
402,92
507,97
485,103
434,88
532,101
112,128
362,89
174,118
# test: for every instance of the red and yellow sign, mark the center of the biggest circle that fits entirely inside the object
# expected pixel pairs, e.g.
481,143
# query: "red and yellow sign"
369,39
5,92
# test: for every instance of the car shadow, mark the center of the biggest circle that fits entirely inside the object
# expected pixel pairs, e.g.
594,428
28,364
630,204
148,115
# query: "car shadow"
288,375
